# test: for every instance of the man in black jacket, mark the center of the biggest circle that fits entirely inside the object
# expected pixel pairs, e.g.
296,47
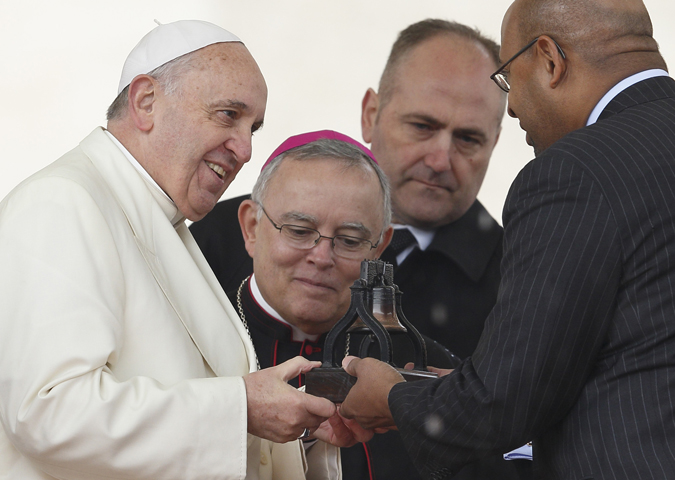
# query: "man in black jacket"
432,126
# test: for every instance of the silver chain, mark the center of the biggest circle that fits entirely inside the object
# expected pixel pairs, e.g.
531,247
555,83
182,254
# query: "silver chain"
243,318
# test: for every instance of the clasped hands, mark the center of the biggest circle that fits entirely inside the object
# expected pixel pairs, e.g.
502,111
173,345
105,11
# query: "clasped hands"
281,413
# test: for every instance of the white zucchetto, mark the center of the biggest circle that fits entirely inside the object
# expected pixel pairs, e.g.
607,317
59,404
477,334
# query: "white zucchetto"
169,41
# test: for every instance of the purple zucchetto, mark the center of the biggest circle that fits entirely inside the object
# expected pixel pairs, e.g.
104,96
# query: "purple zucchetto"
305,138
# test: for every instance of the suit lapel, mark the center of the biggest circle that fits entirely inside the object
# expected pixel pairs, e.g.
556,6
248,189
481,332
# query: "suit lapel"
176,263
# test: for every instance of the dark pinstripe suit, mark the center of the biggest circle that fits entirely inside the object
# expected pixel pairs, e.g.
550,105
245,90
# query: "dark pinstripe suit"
579,351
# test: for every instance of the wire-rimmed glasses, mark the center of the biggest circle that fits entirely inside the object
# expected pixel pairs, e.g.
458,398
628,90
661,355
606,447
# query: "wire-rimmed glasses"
305,238
500,78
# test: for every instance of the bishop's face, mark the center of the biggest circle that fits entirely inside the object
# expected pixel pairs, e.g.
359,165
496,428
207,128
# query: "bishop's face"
310,288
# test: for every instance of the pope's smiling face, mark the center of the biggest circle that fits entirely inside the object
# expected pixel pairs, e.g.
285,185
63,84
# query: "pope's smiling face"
202,134
310,288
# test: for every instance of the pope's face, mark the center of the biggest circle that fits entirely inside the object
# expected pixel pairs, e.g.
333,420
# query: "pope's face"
435,135
310,288
202,135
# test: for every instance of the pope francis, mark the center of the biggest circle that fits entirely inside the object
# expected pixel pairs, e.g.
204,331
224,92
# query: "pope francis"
120,355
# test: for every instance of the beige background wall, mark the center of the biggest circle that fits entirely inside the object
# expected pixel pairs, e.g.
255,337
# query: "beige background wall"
61,62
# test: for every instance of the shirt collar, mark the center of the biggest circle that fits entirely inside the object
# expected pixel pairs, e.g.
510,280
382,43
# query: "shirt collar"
423,237
298,335
620,87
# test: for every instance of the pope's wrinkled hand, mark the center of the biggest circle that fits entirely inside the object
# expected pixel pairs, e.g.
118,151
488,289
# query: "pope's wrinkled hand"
279,412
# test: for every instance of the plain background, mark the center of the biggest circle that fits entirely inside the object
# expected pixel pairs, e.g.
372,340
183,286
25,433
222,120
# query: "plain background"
61,62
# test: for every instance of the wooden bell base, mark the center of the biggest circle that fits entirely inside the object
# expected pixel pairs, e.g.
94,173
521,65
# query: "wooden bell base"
334,383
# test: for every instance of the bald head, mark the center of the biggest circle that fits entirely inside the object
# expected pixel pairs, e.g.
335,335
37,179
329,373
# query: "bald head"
614,34
577,50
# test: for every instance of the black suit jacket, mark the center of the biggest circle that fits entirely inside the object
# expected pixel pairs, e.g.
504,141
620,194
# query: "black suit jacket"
450,288
579,351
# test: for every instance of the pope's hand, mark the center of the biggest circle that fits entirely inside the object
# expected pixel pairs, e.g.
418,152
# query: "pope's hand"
279,412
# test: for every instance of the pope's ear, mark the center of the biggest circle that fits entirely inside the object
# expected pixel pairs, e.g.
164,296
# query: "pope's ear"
248,222
384,243
142,98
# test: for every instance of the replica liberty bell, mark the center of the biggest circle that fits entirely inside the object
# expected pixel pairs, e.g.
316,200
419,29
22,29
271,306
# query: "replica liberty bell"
375,313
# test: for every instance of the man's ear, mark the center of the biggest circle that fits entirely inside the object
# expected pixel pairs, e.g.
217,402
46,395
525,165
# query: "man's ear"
369,107
384,243
142,98
248,222
554,61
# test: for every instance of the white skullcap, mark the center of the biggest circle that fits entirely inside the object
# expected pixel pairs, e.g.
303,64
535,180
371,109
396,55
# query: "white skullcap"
169,41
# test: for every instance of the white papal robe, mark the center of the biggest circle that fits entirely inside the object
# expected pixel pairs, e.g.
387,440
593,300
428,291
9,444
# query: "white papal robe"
120,355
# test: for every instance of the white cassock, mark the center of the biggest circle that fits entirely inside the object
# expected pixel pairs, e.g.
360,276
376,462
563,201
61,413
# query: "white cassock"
120,355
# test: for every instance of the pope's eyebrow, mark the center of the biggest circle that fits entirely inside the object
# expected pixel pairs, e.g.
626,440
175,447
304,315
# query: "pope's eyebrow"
229,104
234,104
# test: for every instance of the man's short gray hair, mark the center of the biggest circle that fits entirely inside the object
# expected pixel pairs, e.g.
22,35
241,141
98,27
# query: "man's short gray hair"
420,32
350,156
169,77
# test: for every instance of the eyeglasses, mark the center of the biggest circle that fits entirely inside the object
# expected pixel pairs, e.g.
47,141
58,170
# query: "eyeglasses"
305,238
500,78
